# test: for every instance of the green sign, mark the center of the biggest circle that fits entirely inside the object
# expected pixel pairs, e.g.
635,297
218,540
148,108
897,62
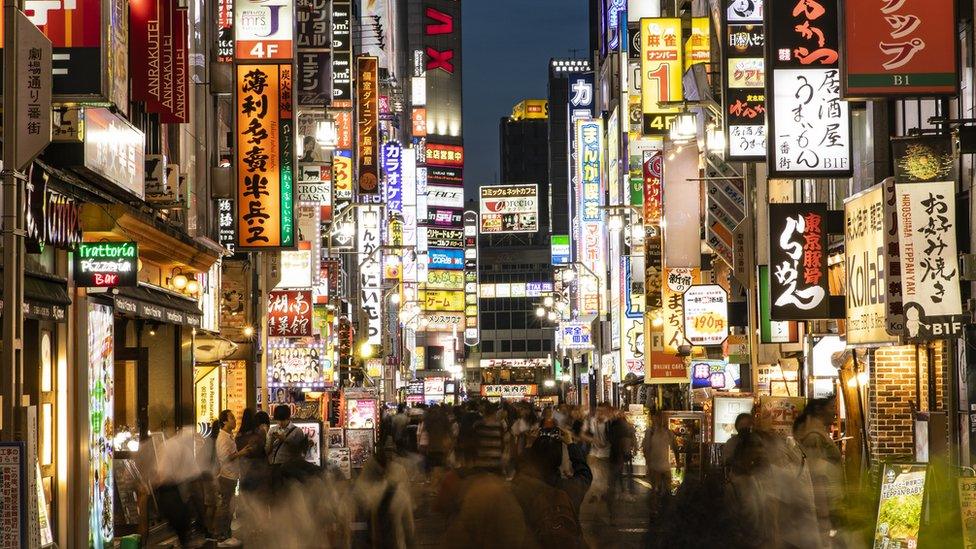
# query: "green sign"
106,264
900,505
560,249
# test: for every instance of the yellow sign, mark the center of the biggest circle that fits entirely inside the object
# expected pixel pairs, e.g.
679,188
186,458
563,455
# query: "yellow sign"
442,300
867,285
206,388
661,71
342,176
697,47
443,279
531,109
675,283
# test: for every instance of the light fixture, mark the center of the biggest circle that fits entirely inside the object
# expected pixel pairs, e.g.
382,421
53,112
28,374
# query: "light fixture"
684,127
637,233
714,139
193,286
658,321
569,275
540,312
567,378
326,134
549,383
547,301
366,350
347,229
179,280
553,316
152,328
616,223
248,331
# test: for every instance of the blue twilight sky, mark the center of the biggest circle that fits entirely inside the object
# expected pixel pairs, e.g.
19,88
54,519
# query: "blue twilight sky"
507,45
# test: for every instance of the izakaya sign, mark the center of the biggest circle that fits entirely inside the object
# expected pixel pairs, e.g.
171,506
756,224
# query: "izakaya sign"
265,145
864,254
106,264
706,314
367,98
290,313
798,261
661,71
905,47
744,80
929,272
811,127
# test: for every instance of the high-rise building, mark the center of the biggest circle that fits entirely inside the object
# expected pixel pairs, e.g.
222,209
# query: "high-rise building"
560,71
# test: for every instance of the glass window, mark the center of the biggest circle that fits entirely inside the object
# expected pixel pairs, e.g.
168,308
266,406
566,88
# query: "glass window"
487,346
506,346
547,345
503,321
533,345
518,320
487,321
518,346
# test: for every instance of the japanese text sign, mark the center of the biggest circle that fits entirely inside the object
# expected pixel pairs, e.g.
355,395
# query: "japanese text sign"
744,80
263,29
676,282
798,261
290,313
661,71
706,314
367,97
265,149
393,168
864,253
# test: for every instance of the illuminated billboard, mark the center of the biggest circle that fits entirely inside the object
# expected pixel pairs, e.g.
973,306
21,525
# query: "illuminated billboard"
509,209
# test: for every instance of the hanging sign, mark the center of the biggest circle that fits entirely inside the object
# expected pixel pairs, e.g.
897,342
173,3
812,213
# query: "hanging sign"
923,158
290,313
370,272
367,99
106,264
798,261
263,29
653,173
744,80
661,367
706,314
661,71
931,298
864,254
393,169
472,332
265,149
676,282
811,125
900,48
342,54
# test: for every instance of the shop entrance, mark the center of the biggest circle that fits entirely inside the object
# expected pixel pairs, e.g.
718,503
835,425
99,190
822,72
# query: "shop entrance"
132,391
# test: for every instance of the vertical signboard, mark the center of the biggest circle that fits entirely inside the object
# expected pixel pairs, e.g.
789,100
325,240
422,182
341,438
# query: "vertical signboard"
810,128
314,59
899,48
589,148
661,71
393,171
676,282
931,298
341,53
367,101
798,261
864,255
225,30
472,332
370,272
744,80
441,66
653,169
698,46
263,29
265,146
101,406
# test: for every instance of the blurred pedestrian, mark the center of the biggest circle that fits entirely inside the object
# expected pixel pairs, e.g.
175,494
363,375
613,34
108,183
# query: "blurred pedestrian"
229,473
657,446
823,458
743,424
285,445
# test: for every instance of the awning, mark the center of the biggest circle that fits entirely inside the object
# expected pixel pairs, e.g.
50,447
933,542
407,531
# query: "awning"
146,302
45,297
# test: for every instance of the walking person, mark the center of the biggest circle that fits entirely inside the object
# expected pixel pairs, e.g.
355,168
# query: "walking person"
255,486
285,446
228,474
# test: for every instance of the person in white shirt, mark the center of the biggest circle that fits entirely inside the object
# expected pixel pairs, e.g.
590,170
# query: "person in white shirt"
229,472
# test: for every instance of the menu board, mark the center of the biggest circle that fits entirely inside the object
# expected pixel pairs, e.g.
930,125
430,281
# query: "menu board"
360,443
900,506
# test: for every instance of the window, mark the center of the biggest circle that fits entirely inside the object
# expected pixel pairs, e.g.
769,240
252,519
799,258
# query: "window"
546,345
506,346
487,321
503,321
518,346
533,345
518,320
487,346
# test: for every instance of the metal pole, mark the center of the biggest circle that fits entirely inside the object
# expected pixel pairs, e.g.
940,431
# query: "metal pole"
11,335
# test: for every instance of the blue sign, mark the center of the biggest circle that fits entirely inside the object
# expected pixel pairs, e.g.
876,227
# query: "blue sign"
708,374
393,168
560,249
443,258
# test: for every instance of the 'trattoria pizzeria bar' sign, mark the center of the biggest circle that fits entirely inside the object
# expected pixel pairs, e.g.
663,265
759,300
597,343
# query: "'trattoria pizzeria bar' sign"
106,264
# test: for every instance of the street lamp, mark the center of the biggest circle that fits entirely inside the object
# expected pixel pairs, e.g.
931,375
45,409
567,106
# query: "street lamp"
540,311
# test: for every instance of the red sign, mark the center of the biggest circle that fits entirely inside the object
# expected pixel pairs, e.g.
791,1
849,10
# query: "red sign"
653,172
178,113
290,313
367,98
158,39
343,120
899,48
445,155
345,341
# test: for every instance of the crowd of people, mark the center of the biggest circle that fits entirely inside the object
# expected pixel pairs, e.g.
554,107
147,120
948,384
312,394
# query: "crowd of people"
505,475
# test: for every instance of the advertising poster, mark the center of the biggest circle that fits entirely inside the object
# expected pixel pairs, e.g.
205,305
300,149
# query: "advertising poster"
900,505
360,413
706,314
296,365
661,366
903,48
13,488
724,411
810,127
778,413
798,261
337,437
265,149
360,443
929,263
263,29
101,406
923,158
509,209
290,313
339,459
744,80
661,68
864,253
967,506
676,282
313,431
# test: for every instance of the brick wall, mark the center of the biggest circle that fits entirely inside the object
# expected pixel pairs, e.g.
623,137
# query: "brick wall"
891,392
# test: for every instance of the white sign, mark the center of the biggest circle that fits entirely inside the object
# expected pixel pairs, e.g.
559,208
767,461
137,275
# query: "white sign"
811,122
370,272
929,264
706,314
263,29
115,150
445,197
315,185
575,335
509,208
441,322
515,362
724,412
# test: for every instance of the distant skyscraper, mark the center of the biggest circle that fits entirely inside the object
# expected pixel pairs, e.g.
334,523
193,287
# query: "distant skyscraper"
560,71
524,151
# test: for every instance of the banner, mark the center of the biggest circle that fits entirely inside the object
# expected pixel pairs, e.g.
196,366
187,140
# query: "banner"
509,209
866,285
811,125
676,282
930,293
902,48
290,313
265,148
661,71
798,261
367,124
744,80
296,365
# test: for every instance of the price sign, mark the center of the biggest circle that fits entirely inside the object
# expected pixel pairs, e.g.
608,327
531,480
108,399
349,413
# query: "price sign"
706,314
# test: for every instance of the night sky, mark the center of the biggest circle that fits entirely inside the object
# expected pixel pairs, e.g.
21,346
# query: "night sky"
507,45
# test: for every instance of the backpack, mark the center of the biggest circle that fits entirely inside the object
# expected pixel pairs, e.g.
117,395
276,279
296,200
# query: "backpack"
550,516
